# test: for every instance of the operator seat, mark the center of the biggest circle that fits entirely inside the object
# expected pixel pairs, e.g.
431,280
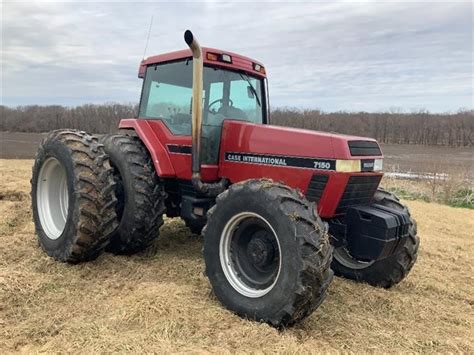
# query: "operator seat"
232,113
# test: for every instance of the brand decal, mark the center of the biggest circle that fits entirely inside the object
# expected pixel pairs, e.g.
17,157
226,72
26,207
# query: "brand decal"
281,160
368,165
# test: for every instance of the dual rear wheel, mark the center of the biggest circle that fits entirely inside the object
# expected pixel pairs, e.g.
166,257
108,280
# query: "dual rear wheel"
89,196
73,196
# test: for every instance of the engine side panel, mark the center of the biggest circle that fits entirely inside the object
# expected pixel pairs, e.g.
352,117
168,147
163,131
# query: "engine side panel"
254,151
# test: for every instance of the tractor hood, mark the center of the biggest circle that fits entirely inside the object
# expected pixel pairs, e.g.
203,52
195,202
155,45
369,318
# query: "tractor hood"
287,143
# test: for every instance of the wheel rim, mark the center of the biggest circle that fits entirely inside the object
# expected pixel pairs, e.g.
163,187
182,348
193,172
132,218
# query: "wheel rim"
250,254
343,256
52,198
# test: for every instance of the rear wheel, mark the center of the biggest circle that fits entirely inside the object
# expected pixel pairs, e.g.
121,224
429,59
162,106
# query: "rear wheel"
386,272
267,253
140,194
72,193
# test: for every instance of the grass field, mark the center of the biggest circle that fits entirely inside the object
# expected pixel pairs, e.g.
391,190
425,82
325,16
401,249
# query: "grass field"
160,301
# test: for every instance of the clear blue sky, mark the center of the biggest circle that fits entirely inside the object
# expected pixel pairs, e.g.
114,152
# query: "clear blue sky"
365,55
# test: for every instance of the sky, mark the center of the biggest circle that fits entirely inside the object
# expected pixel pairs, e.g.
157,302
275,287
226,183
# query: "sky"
352,56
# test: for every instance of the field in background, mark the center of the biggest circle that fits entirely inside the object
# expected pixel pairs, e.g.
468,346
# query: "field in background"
19,145
160,301
429,159
399,157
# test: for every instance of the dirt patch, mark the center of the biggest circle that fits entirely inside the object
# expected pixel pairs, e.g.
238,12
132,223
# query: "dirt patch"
17,145
160,301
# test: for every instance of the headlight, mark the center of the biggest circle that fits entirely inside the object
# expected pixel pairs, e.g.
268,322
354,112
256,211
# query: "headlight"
348,166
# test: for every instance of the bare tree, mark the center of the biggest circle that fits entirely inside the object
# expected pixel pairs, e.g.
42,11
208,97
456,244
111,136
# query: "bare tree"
394,126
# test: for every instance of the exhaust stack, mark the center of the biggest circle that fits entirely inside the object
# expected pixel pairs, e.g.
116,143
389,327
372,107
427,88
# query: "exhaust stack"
196,121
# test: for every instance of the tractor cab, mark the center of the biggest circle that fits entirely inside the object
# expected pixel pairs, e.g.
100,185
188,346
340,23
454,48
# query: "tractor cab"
234,87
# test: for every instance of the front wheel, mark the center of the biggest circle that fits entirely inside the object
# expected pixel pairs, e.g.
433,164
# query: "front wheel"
267,252
386,272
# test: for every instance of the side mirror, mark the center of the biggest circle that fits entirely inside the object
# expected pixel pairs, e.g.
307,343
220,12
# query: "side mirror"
250,93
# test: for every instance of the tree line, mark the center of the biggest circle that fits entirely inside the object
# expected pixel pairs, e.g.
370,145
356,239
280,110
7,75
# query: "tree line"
422,127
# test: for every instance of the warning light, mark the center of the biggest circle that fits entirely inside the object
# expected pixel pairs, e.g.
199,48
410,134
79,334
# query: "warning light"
212,56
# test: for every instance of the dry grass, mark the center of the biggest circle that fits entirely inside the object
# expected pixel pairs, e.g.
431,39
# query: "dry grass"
160,301
454,190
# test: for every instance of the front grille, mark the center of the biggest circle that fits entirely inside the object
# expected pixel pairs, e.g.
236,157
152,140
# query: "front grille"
316,187
364,148
359,191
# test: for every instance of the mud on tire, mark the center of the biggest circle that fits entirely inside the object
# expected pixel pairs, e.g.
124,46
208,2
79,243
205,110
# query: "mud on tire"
141,197
390,271
72,193
287,287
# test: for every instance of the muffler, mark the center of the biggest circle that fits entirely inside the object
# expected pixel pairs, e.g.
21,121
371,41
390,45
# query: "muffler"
211,189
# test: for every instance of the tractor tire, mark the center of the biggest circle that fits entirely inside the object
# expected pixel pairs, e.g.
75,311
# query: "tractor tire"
72,194
140,194
386,272
267,252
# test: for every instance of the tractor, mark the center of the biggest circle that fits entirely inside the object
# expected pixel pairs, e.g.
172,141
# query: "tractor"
280,210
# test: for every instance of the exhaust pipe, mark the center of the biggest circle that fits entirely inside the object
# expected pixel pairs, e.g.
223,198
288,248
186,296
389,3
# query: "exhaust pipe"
212,189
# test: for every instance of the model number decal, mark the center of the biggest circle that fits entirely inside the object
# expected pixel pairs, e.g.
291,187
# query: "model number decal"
281,160
322,165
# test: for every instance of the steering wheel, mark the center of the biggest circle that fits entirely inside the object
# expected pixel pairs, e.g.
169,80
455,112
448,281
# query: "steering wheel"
215,102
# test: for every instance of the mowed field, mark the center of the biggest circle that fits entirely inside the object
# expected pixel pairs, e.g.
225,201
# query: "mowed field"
160,301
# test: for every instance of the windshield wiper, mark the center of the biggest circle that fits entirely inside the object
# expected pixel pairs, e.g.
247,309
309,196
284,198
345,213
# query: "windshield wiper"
246,78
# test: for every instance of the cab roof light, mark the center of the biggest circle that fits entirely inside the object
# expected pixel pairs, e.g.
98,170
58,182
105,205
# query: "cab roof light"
226,58
259,68
212,56
219,57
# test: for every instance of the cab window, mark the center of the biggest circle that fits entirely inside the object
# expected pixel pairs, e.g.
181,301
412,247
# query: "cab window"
167,94
227,94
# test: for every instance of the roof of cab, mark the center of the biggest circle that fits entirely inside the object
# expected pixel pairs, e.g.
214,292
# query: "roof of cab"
238,61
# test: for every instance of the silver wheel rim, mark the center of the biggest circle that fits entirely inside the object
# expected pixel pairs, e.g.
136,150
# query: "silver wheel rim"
225,256
344,258
52,198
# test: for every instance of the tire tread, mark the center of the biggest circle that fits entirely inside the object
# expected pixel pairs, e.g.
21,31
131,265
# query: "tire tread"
148,194
314,273
95,214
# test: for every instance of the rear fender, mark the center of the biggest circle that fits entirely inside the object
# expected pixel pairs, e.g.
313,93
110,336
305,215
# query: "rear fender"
159,154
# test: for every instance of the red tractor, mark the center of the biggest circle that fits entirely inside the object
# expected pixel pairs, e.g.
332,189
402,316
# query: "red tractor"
280,209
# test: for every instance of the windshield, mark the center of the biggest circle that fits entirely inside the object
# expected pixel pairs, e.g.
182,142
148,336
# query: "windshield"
167,95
